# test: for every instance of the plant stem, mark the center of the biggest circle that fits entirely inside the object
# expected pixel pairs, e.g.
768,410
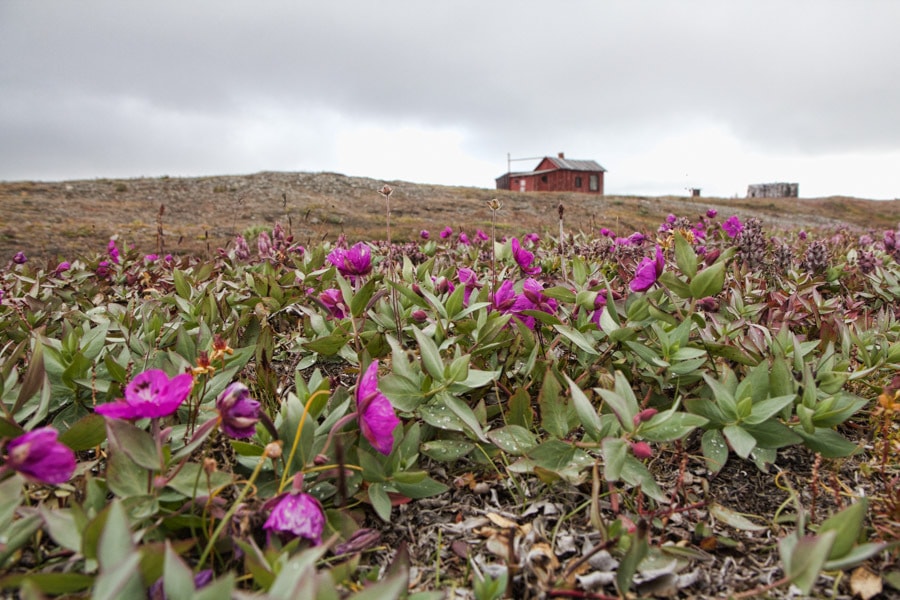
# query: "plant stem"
234,506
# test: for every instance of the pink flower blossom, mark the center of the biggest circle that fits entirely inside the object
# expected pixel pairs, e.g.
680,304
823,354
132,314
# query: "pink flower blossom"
446,232
352,263
424,234
377,419
711,213
20,258
150,394
238,411
732,226
39,456
297,514
333,300
524,258
648,271
113,251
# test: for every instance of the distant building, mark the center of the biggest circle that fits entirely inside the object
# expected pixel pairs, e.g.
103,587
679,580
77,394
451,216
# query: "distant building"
773,190
556,174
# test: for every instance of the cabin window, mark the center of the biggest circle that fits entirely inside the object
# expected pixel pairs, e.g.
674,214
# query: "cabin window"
544,178
595,183
578,182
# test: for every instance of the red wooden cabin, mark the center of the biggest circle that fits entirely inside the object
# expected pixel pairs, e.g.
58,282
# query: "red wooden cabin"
556,174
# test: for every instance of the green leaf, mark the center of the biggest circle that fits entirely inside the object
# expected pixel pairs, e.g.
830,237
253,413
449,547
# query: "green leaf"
635,473
55,584
513,439
827,442
622,402
136,444
380,500
741,441
848,526
733,519
10,498
768,408
63,527
772,434
554,412
431,356
405,394
807,559
424,488
178,580
447,450
35,378
16,535
857,555
554,455
670,425
614,451
632,559
361,298
709,281
587,414
328,345
581,340
685,257
715,450
466,415
87,432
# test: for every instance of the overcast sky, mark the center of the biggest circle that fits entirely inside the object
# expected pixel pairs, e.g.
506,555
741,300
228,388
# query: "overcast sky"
666,95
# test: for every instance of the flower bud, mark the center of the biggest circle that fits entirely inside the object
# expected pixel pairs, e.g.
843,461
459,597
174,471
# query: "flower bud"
644,415
273,449
419,316
641,450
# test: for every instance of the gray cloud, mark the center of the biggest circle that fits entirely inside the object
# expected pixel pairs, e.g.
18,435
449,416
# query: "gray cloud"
104,87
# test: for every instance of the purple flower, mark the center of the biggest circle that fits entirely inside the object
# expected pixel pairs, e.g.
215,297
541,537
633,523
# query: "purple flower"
264,245
352,263
599,305
238,411
605,232
637,238
732,226
524,258
481,236
532,238
297,514
711,213
333,300
802,235
377,419
62,268
112,251
424,234
151,258
504,297
20,258
169,258
464,239
150,394
103,269
648,271
241,248
532,298
446,232
468,279
39,456
670,218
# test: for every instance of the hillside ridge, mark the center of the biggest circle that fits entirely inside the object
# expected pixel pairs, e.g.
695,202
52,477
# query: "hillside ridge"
67,219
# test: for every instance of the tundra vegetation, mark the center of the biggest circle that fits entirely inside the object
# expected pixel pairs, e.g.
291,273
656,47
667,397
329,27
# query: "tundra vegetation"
580,413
